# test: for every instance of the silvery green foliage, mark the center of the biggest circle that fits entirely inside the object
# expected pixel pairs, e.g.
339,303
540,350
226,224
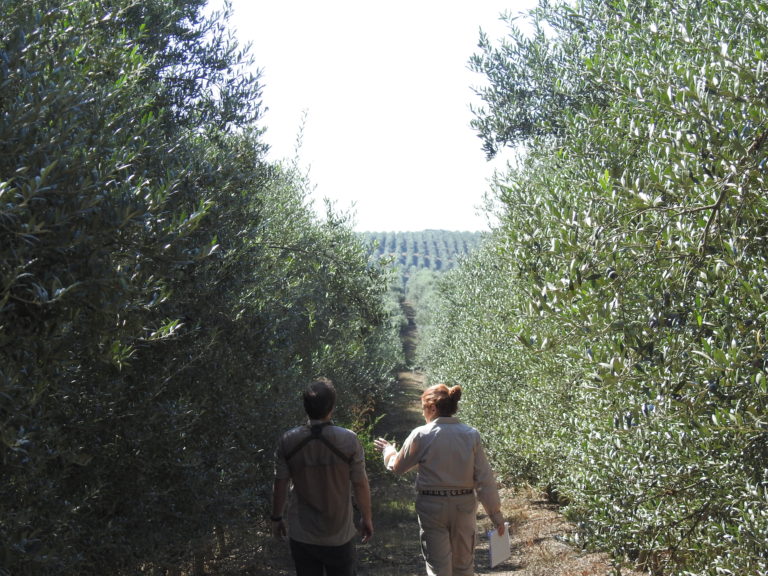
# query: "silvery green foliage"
164,291
629,270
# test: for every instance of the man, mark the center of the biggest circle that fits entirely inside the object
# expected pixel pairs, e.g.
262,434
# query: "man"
321,466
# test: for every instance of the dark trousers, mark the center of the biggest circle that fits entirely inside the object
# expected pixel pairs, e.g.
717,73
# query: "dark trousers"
311,560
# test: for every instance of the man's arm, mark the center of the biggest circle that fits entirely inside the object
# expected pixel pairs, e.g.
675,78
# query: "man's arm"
362,491
279,495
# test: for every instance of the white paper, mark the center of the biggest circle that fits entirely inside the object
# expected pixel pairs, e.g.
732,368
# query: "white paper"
499,546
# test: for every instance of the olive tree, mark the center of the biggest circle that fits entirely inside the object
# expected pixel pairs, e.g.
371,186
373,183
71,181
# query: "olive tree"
633,238
160,299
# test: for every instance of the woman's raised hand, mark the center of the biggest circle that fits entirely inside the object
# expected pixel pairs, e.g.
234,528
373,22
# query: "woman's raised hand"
381,444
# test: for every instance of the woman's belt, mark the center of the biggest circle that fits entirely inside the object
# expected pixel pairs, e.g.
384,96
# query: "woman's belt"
455,492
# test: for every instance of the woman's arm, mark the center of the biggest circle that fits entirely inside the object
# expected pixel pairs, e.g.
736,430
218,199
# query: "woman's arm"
487,490
400,461
388,451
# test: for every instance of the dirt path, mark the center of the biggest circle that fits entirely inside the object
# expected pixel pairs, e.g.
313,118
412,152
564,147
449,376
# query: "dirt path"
395,549
538,531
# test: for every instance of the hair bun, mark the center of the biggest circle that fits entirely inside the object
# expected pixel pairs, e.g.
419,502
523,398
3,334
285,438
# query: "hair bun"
454,393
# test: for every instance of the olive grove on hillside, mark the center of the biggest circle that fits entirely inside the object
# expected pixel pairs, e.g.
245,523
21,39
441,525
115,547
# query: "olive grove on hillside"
164,291
612,333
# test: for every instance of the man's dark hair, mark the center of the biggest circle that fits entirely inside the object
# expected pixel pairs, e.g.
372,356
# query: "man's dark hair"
319,398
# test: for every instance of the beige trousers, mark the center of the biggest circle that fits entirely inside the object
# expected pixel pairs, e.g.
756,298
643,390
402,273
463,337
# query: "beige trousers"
447,529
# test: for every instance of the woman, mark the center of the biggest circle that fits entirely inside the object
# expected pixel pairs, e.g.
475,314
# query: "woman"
452,469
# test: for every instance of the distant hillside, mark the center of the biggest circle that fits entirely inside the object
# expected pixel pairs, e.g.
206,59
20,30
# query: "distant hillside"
436,250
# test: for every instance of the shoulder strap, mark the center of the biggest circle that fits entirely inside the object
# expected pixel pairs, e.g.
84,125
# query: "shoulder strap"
316,433
335,450
298,447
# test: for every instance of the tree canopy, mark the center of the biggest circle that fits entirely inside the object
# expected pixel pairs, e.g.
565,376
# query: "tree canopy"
612,332
164,290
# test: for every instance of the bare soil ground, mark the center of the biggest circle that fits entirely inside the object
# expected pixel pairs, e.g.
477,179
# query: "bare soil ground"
539,533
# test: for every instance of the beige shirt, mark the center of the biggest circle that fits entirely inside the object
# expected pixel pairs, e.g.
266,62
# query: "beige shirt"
320,500
449,455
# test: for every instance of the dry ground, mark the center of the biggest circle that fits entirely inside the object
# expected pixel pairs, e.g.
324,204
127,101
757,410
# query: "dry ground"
538,531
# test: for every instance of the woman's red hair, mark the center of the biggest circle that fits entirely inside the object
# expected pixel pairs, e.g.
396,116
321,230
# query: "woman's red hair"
445,399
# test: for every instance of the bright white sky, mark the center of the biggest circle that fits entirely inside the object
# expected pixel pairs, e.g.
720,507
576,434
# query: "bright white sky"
386,91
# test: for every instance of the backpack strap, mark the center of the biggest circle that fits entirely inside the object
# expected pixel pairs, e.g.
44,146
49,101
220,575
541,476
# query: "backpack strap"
316,433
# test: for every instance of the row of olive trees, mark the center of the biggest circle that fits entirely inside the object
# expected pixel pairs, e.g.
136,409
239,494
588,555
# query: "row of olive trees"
163,289
612,333
436,250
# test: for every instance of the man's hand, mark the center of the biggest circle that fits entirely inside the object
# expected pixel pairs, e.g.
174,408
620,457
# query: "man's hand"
278,530
362,493
366,529
279,494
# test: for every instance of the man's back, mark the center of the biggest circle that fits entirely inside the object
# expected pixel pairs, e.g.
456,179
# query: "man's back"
322,467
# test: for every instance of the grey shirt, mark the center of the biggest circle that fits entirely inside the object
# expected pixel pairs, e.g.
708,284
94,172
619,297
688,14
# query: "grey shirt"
449,455
320,500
